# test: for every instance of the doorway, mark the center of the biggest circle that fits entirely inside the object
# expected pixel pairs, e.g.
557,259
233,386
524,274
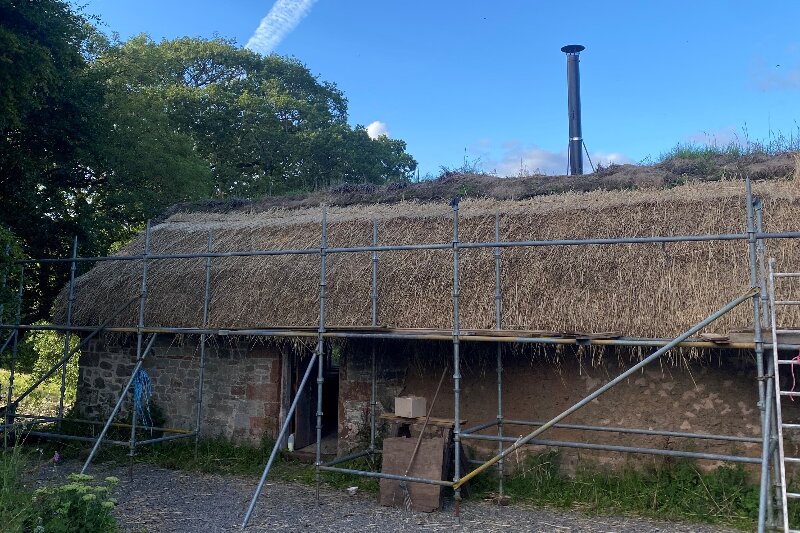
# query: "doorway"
305,416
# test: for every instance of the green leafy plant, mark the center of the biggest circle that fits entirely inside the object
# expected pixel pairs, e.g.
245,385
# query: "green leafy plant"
83,505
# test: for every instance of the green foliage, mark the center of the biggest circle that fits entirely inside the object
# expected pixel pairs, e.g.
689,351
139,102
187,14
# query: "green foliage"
15,501
775,144
10,251
264,125
82,505
677,491
97,136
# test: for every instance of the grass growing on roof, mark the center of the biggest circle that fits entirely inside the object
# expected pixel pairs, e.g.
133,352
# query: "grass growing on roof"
777,143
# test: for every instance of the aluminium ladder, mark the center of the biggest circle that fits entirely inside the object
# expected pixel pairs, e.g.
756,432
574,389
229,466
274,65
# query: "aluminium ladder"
781,393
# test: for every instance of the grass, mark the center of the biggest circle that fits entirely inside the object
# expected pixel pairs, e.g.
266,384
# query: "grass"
679,491
15,499
78,503
775,144
221,456
44,399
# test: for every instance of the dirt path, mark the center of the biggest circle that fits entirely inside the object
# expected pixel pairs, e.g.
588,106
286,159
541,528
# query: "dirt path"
161,501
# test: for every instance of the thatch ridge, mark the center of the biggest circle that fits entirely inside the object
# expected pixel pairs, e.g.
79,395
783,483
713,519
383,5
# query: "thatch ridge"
670,172
646,289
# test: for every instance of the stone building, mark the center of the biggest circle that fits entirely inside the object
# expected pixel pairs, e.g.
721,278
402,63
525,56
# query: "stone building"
651,291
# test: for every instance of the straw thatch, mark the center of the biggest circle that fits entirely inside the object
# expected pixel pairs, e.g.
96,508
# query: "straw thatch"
643,289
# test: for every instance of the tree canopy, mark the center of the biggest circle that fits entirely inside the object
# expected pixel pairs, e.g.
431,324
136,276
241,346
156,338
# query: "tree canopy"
98,135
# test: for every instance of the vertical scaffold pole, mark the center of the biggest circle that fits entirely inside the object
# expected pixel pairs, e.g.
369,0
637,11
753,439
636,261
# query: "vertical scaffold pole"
498,323
68,333
10,407
374,393
202,369
456,364
99,441
772,517
139,336
323,256
763,380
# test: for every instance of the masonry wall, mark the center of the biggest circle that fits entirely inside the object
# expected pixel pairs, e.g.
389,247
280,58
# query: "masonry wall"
715,394
241,398
355,388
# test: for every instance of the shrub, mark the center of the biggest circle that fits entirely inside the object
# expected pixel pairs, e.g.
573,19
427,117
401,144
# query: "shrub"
82,505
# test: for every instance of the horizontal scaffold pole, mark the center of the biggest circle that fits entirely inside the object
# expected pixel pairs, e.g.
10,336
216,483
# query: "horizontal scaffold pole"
94,332
380,333
431,246
121,399
605,388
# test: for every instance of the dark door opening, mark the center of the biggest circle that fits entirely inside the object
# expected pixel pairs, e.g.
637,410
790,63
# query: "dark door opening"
305,417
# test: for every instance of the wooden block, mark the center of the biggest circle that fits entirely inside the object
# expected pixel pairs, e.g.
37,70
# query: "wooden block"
429,463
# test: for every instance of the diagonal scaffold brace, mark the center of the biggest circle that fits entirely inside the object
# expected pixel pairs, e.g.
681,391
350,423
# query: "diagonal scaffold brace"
284,428
64,360
605,388
122,395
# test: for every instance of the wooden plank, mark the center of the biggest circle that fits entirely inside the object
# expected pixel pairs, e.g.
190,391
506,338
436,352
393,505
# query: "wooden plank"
716,338
428,464
434,421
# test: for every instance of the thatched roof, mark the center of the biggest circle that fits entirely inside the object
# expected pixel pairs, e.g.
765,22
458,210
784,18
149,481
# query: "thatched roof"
642,289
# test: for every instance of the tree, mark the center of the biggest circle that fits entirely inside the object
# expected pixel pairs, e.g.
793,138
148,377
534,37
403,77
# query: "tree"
97,136
79,153
264,124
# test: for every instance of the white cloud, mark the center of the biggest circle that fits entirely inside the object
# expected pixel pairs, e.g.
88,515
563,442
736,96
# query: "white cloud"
720,137
769,77
516,159
377,129
284,16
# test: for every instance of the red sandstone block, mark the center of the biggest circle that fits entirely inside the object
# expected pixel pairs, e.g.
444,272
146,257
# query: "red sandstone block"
275,370
257,425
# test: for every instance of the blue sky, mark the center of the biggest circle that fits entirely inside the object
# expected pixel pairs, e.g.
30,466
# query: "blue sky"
486,79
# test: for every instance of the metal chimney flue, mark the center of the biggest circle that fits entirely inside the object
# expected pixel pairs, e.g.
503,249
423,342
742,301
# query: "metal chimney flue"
574,108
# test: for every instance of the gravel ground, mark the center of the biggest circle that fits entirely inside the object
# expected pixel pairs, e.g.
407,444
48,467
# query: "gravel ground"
161,501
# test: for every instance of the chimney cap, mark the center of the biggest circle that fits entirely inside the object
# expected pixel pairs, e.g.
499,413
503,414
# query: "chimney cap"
573,48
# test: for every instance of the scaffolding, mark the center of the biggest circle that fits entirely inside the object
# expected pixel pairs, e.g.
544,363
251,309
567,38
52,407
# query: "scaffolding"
755,237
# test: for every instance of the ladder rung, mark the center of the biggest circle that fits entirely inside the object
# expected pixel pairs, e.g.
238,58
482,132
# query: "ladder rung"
790,393
791,459
791,426
788,362
793,495
787,302
787,274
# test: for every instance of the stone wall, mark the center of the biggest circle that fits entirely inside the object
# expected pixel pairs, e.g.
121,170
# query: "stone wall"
241,398
355,386
715,394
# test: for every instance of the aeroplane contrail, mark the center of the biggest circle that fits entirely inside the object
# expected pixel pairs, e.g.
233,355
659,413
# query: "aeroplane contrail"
284,16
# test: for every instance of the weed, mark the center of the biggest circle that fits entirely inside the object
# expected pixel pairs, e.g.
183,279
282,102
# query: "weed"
775,144
679,491
80,505
83,504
